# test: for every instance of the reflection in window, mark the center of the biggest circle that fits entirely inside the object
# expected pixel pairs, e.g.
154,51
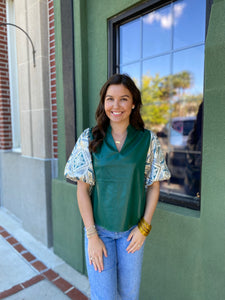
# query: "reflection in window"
157,65
133,69
157,24
164,52
130,51
189,23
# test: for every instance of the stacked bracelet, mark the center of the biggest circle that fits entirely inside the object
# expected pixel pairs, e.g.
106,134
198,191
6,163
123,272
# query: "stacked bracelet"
91,231
144,227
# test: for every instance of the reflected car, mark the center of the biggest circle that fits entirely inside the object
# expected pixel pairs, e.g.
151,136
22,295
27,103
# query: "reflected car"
173,138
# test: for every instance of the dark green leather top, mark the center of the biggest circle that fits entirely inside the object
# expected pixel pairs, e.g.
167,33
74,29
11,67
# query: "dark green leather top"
118,197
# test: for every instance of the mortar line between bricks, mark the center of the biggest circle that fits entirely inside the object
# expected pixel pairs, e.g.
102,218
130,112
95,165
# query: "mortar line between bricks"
16,244
56,278
11,291
32,261
70,289
40,273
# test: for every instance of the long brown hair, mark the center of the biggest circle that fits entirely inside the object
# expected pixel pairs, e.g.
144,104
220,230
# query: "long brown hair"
99,131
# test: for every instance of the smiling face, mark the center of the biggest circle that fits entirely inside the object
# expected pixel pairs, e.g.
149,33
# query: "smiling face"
118,104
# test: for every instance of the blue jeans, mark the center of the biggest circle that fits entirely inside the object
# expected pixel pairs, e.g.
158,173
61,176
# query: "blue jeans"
121,276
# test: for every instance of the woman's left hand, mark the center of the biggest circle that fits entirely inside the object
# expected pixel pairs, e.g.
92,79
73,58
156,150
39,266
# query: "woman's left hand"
137,240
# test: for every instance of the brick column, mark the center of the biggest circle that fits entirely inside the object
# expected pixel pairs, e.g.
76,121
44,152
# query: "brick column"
5,111
53,78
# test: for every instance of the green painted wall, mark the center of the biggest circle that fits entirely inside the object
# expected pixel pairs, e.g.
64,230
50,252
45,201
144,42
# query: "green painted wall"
98,11
184,255
67,223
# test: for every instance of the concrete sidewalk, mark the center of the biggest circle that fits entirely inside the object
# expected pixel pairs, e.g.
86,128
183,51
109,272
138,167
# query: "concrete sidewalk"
29,270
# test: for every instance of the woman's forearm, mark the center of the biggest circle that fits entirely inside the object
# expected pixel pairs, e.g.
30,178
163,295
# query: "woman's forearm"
96,247
84,203
152,198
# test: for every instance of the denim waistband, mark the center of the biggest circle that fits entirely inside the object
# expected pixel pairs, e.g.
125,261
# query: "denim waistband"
113,234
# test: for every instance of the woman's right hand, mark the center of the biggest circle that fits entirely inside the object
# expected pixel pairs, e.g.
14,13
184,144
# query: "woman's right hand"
96,249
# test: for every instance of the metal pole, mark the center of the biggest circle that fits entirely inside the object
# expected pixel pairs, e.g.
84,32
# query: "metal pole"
5,24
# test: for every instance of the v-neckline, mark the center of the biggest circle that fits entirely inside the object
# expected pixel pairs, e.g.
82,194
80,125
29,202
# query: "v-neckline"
113,143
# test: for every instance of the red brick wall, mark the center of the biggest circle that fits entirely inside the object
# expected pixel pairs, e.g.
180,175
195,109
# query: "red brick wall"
53,78
5,111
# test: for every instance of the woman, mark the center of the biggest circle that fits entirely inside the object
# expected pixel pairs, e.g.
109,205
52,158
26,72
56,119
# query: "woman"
118,165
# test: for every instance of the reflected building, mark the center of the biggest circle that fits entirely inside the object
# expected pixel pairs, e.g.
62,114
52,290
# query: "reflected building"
193,157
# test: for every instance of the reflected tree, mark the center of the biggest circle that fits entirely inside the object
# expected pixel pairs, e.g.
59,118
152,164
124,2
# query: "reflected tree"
165,97
155,105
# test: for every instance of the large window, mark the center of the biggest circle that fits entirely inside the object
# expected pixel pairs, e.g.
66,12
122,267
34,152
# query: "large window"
160,44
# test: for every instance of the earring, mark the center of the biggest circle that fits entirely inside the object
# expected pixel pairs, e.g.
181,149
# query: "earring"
133,107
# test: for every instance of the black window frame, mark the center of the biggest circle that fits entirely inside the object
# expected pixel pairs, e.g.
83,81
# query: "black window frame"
114,24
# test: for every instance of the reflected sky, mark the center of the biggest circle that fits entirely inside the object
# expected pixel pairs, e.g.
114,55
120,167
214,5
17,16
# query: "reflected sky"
190,28
166,17
130,50
134,71
157,32
158,65
166,41
191,60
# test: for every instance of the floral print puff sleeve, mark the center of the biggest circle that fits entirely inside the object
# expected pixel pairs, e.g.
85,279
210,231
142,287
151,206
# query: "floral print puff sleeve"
155,168
79,165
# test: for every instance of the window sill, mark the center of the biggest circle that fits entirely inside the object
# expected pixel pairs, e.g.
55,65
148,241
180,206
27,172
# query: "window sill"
178,210
180,200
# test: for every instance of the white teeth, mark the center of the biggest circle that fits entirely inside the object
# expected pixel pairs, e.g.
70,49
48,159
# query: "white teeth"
116,113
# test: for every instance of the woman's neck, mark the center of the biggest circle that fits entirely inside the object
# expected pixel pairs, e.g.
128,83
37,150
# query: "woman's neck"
119,134
119,129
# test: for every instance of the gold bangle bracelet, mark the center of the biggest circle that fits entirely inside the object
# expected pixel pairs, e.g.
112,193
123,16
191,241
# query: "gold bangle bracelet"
145,233
149,227
145,223
144,227
91,235
91,231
